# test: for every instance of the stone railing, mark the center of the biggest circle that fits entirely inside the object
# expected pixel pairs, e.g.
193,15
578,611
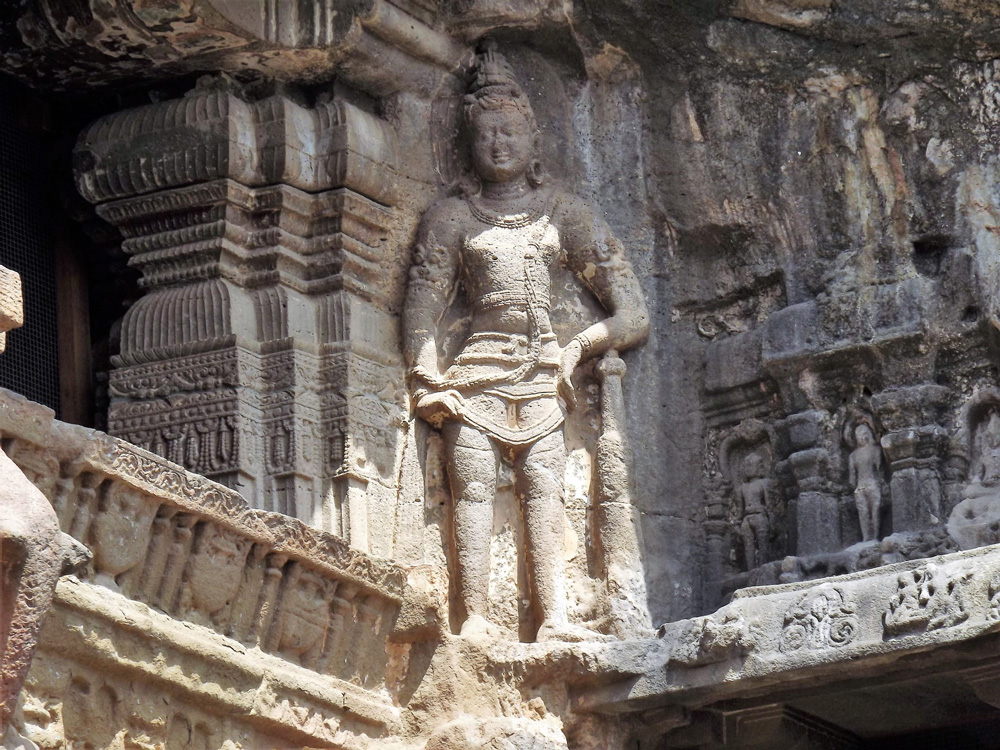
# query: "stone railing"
192,549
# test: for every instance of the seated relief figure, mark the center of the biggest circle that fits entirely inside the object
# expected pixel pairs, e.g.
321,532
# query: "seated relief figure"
504,396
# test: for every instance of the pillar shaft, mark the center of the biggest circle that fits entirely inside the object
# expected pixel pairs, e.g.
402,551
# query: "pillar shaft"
266,334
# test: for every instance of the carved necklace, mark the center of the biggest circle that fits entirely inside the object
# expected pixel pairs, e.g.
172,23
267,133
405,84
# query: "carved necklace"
508,220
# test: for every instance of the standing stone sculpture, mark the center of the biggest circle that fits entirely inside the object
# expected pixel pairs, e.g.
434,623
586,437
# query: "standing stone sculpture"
33,554
752,496
505,395
864,468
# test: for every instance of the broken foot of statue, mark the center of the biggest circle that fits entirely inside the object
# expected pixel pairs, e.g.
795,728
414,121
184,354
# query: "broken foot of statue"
564,632
477,627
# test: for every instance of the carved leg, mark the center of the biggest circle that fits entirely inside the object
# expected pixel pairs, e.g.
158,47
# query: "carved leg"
472,473
761,530
867,505
540,471
749,543
31,598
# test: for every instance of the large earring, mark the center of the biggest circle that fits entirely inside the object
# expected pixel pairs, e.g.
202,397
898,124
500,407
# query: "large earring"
534,173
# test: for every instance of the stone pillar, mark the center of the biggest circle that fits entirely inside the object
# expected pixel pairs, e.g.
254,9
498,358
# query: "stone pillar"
916,447
267,333
816,508
718,542
618,519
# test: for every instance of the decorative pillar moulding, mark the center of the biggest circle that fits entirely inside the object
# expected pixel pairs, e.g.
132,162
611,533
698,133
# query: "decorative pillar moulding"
268,330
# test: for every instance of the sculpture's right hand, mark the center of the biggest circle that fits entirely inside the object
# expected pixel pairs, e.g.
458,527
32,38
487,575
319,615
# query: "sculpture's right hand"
437,408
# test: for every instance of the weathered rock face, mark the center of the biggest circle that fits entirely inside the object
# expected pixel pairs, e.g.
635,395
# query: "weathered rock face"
352,314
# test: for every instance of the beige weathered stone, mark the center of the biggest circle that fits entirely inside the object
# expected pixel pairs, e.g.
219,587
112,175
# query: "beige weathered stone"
11,304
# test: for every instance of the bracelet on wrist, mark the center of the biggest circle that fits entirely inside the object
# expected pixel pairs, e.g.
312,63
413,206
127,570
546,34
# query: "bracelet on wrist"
586,345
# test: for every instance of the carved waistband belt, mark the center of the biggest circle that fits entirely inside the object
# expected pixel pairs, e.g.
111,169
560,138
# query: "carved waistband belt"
507,298
507,350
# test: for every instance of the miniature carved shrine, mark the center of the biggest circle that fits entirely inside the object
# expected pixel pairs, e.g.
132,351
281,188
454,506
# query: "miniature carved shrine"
536,374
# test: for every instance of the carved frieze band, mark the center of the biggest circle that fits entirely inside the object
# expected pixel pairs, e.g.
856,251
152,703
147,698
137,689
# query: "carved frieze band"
195,550
779,630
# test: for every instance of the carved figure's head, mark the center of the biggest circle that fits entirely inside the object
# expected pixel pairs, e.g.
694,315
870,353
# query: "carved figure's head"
502,123
863,435
753,466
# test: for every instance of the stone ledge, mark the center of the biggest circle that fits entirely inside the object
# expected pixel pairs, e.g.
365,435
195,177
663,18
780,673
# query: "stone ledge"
813,634
115,635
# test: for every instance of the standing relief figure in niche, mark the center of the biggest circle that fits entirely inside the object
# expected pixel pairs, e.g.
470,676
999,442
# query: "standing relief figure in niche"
753,495
864,471
505,394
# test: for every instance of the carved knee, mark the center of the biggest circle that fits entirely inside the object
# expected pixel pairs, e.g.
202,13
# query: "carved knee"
476,492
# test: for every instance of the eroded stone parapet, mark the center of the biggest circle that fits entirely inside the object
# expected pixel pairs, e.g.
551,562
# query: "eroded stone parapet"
178,543
113,667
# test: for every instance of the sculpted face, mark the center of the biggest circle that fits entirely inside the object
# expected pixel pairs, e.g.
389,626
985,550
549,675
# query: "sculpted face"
753,466
863,435
502,144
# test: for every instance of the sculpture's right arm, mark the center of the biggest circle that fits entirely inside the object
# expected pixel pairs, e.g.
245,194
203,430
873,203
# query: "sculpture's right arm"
433,273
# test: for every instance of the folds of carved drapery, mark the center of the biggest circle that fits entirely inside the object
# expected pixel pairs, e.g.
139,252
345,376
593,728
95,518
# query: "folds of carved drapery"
266,334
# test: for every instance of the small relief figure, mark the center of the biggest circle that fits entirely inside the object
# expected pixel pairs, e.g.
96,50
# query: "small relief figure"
927,598
975,520
752,497
121,531
505,395
864,469
215,569
304,613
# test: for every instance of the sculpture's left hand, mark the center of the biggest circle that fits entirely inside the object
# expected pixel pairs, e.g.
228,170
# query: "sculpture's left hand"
571,356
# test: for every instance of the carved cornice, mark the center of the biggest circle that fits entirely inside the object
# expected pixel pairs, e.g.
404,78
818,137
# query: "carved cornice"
66,44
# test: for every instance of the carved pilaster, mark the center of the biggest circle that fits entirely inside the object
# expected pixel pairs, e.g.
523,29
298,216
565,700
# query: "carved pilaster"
267,334
916,446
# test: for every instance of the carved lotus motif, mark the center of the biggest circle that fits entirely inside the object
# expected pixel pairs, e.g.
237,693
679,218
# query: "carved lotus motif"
822,618
120,532
216,569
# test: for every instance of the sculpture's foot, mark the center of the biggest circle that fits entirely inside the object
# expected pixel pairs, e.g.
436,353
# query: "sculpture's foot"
564,632
477,627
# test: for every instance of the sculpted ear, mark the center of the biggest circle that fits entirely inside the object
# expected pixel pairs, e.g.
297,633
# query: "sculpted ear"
535,174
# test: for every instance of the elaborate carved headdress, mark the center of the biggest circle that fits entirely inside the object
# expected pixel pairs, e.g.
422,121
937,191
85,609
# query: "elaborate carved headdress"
493,85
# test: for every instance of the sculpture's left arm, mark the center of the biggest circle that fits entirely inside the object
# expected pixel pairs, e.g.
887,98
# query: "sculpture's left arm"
596,256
